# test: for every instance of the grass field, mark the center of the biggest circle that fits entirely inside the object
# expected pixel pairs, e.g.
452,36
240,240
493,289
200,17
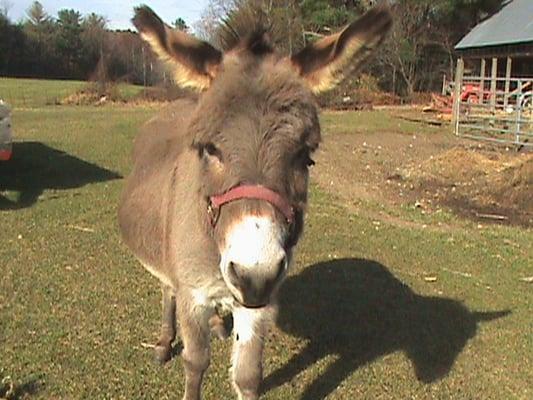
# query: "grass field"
373,309
29,93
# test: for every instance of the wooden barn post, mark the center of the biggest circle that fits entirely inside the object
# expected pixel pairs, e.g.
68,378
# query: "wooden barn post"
482,81
507,81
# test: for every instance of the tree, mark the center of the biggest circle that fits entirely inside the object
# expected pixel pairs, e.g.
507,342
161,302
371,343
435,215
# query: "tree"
93,39
285,22
12,45
322,16
39,30
5,6
454,18
212,16
404,48
180,24
69,44
420,47
36,14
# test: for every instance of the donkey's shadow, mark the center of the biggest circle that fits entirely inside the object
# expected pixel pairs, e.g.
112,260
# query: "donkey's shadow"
356,309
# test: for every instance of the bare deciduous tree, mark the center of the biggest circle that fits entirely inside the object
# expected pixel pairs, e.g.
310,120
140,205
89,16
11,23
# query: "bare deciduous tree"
5,6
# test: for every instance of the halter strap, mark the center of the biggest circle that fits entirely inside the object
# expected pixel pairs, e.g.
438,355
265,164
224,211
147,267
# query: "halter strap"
256,192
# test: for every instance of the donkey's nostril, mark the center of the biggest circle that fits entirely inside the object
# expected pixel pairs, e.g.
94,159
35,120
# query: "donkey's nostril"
255,284
281,267
231,267
232,272
238,276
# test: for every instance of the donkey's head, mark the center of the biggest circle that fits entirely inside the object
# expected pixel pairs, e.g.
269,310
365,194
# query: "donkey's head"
254,131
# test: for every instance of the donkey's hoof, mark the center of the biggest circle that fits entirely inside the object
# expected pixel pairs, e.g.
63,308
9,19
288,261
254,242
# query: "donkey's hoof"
162,353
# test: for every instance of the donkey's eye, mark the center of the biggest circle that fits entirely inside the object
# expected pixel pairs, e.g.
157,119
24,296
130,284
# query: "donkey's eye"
209,149
303,157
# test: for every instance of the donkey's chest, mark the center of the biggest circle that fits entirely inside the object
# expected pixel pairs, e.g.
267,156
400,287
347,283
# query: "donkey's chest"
215,295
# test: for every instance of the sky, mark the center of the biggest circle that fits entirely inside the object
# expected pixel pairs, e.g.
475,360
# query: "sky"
117,12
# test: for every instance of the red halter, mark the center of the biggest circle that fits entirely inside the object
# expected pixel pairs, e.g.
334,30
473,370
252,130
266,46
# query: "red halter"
256,192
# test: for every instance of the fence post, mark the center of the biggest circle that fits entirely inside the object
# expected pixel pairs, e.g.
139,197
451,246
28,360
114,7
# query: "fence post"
482,81
457,93
519,101
493,81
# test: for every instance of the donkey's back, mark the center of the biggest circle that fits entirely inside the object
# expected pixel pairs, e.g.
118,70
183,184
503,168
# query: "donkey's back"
156,154
160,135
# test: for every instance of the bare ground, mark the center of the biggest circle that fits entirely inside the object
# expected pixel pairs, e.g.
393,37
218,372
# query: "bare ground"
430,171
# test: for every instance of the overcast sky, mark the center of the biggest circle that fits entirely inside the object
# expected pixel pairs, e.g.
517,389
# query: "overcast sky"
117,12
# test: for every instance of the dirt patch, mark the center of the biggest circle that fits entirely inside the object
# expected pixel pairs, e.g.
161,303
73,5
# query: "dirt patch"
101,94
479,183
94,94
430,171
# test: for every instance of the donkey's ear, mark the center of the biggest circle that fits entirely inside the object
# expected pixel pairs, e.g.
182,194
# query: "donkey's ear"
195,63
328,61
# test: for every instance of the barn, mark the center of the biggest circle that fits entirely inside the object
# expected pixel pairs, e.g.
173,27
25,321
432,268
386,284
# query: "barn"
494,77
505,40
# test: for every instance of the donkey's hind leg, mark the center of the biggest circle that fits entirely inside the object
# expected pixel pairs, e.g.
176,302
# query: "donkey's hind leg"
163,348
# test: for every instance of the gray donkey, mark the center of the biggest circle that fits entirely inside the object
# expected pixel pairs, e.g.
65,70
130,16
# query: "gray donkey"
215,202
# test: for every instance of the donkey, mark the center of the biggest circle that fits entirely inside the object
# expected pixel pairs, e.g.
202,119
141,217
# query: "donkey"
215,202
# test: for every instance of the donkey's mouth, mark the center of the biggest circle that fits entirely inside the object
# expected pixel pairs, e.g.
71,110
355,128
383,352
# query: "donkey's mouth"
249,306
255,307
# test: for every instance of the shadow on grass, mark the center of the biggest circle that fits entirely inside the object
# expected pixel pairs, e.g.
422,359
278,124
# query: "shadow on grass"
36,167
356,309
10,391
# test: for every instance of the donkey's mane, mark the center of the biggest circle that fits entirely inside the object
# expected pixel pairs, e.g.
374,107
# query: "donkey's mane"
245,28
256,41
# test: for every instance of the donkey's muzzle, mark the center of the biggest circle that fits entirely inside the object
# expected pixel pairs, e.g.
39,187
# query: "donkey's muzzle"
253,261
255,286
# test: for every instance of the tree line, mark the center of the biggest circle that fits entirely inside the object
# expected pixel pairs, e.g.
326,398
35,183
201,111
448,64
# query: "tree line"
414,57
72,46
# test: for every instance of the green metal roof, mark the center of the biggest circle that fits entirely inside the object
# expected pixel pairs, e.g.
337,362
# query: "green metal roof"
511,25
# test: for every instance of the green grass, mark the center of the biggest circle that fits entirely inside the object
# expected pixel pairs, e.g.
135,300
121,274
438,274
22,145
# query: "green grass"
359,318
373,122
37,92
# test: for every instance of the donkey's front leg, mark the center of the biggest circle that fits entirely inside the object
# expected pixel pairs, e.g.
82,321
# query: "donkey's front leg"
163,348
249,326
194,329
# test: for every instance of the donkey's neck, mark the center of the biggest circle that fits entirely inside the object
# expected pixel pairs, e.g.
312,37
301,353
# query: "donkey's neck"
188,243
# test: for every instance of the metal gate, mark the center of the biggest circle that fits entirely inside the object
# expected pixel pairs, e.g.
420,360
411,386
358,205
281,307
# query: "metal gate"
494,109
